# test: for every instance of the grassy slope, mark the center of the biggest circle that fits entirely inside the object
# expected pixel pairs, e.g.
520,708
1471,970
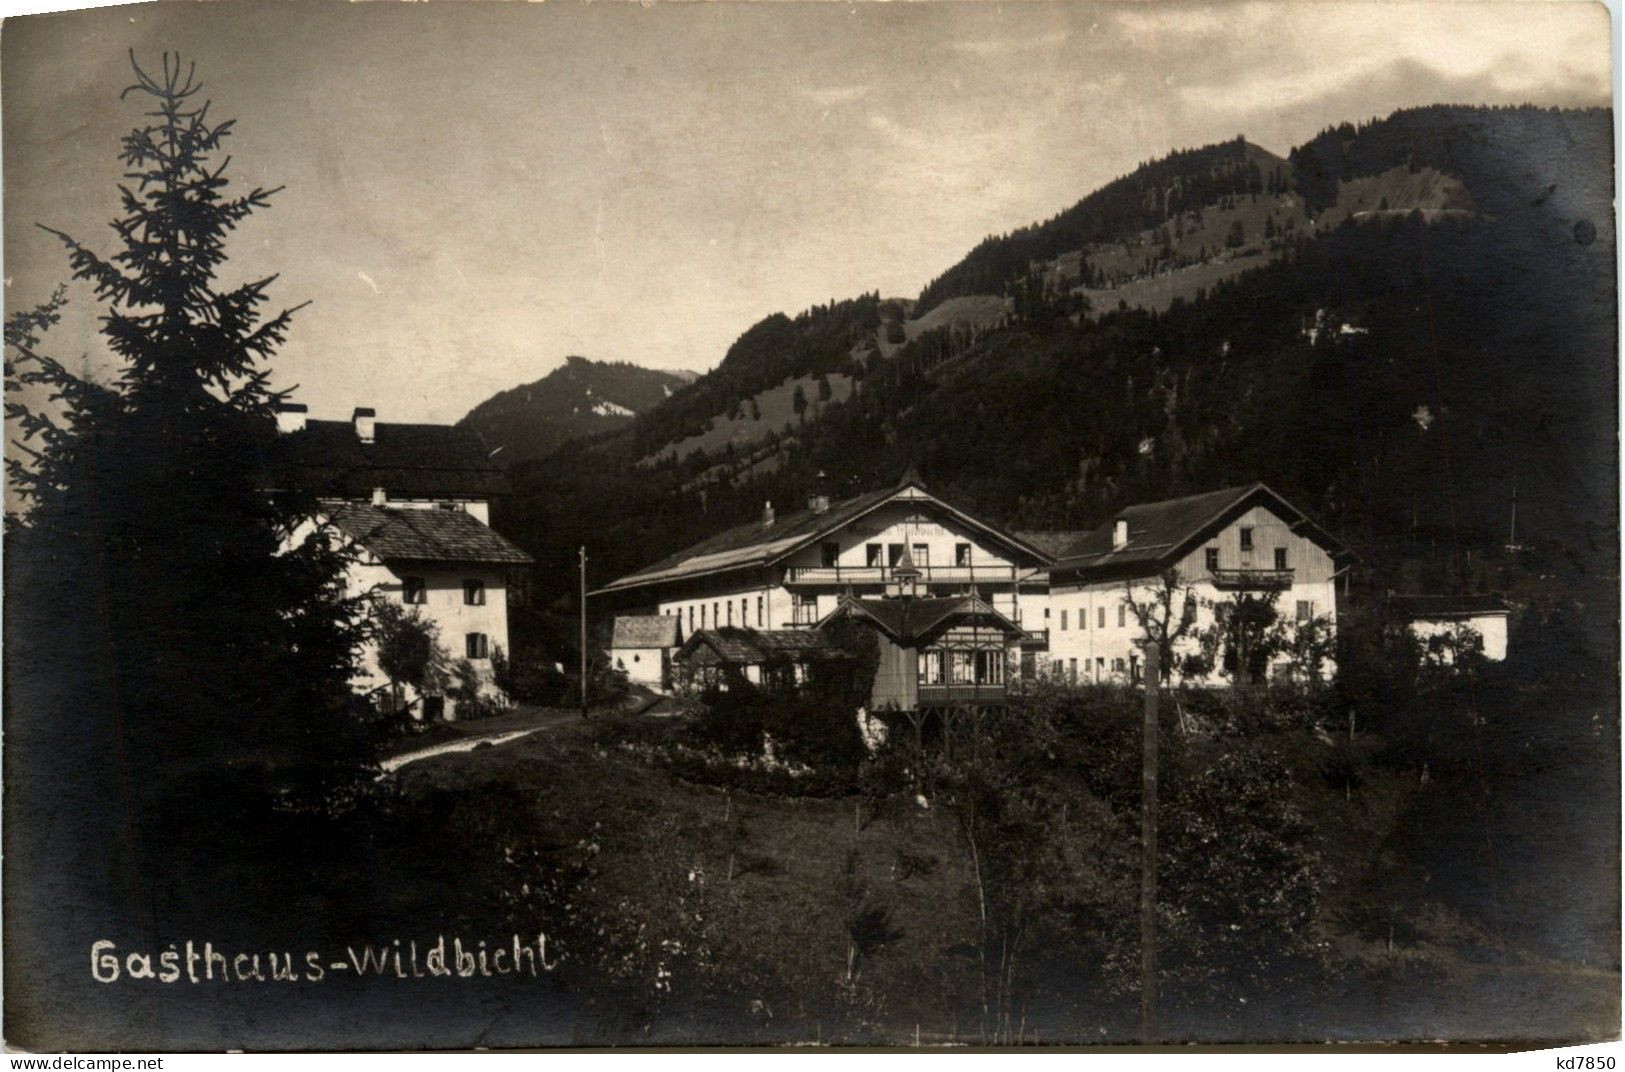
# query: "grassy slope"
777,405
779,919
781,905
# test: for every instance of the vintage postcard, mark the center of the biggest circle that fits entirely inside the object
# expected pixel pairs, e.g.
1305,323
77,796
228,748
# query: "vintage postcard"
930,525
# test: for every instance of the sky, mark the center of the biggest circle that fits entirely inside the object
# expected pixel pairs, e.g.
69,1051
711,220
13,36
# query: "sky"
475,190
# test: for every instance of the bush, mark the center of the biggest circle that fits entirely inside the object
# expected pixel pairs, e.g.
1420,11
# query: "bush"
530,680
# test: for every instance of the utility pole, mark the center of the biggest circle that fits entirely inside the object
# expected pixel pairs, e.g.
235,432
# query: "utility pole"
1148,850
584,631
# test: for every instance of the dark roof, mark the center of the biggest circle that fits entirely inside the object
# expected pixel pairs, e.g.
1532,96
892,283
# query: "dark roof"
409,461
755,544
1444,606
644,631
752,647
1160,533
909,618
1053,544
425,535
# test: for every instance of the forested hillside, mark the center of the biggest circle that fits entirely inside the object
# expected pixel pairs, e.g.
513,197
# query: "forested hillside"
1399,374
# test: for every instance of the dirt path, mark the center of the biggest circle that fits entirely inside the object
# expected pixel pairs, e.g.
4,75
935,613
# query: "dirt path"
465,744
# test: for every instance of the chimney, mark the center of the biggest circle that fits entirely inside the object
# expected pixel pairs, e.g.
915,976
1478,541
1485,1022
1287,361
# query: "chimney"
366,423
1119,535
818,504
380,497
767,514
290,417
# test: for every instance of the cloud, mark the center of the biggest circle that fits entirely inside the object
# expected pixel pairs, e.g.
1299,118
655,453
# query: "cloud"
993,47
830,96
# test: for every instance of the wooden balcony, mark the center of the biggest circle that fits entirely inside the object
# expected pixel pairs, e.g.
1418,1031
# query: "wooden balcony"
1252,579
948,695
1035,639
836,576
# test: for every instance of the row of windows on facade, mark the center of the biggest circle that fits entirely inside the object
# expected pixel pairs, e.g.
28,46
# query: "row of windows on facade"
415,590
1305,612
891,554
717,609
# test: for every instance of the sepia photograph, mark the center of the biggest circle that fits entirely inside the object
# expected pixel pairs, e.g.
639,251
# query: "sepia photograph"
930,526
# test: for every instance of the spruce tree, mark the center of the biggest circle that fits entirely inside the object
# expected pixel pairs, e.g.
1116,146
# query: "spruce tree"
171,634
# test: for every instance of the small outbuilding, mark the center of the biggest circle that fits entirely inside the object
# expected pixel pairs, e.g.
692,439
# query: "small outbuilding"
642,645
935,652
1444,621
775,658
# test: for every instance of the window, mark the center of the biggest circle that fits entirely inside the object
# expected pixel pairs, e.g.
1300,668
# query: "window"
1122,615
716,614
806,610
691,617
758,612
962,554
922,555
1212,559
1100,619
730,612
1117,666
1063,619
1306,610
702,615
1100,667
474,593
1083,617
479,647
1072,670
414,590
871,554
894,553
1246,539
1280,558
1046,614
830,554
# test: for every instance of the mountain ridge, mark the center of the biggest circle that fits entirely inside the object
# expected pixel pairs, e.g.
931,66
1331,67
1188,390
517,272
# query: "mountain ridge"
581,397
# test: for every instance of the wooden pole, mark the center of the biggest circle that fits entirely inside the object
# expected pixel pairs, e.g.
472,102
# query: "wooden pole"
1148,851
584,632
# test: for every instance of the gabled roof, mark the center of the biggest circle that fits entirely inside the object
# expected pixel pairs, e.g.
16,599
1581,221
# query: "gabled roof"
644,631
425,535
908,619
1446,606
1161,533
409,461
735,646
754,544
1054,544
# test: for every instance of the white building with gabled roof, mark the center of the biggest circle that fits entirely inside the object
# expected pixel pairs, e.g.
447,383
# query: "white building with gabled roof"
789,572
414,501
1240,540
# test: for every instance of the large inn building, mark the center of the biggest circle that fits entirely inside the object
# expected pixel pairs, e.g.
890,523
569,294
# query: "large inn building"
927,574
